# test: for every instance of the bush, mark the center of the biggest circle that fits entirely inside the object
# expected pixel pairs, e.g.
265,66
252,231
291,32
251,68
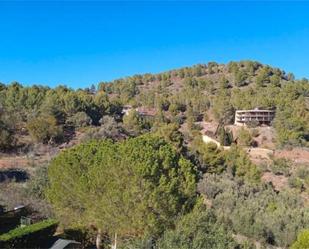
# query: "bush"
280,166
79,119
209,156
302,241
135,123
6,136
109,129
171,134
198,229
37,184
238,162
303,172
28,236
225,136
244,137
257,212
137,243
14,193
44,129
295,182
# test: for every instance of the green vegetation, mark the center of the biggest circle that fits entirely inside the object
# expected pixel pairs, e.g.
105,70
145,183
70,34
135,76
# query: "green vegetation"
292,120
209,156
38,183
255,211
46,113
302,241
6,136
280,166
135,175
177,95
225,136
26,230
135,123
44,129
109,128
136,187
79,119
244,137
239,85
239,164
198,229
171,134
28,235
212,159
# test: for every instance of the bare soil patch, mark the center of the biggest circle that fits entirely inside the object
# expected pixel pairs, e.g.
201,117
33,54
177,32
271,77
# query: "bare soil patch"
297,155
278,181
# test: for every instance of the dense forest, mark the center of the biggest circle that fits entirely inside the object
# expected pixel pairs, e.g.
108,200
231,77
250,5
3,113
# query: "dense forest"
149,181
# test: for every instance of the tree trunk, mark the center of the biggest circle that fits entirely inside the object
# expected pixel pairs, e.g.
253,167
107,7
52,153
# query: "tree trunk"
115,242
99,239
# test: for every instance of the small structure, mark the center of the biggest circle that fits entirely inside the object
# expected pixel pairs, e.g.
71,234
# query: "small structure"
19,207
66,244
143,111
261,116
25,221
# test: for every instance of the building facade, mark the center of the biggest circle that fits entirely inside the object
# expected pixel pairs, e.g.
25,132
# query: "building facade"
259,116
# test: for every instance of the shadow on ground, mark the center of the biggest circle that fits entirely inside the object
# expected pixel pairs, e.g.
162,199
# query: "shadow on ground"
16,175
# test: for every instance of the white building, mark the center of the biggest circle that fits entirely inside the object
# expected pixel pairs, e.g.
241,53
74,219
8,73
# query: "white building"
243,117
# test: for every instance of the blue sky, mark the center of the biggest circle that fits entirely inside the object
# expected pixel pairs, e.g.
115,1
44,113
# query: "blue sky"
81,43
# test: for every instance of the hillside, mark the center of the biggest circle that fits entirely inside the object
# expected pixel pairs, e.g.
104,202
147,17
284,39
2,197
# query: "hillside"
256,186
214,90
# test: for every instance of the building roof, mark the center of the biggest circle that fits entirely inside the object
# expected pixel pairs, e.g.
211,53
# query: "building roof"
63,243
255,110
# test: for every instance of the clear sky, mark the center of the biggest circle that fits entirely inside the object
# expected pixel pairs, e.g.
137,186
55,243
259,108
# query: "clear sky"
80,43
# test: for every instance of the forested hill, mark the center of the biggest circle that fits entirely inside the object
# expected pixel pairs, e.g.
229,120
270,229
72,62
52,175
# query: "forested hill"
190,93
219,89
179,192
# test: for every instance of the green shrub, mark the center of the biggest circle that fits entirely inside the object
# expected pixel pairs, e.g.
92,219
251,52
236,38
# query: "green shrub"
198,229
225,136
135,123
280,166
238,162
38,182
302,241
79,119
303,172
244,137
28,236
257,212
209,156
6,136
109,129
295,182
44,128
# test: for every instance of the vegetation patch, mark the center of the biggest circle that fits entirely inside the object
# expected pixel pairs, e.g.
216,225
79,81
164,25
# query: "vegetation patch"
24,236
